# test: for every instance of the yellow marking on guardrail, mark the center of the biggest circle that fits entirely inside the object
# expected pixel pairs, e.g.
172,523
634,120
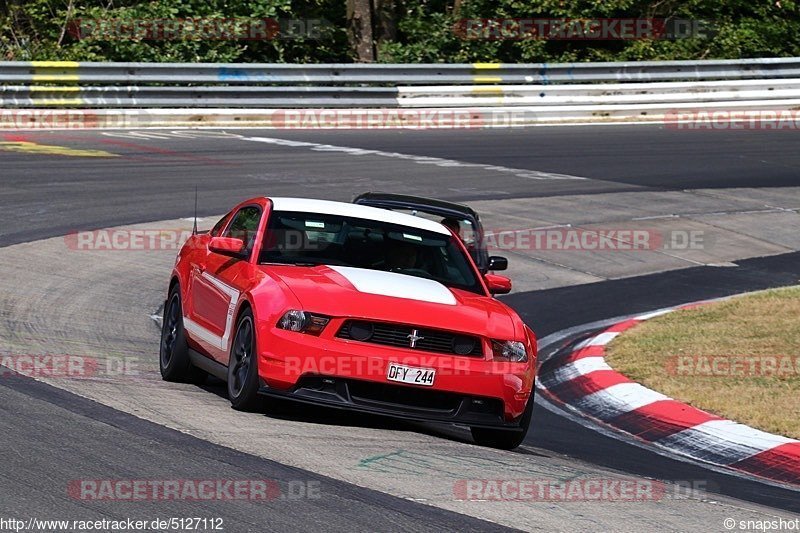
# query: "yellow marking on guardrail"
41,89
488,90
56,98
478,77
47,149
56,101
43,71
55,64
489,93
55,77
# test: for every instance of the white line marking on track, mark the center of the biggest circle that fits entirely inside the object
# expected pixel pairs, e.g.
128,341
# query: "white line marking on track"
621,399
598,340
164,134
648,316
422,160
571,414
578,368
729,430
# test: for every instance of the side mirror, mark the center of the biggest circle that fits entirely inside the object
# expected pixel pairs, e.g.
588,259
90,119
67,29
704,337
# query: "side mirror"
226,246
497,263
497,284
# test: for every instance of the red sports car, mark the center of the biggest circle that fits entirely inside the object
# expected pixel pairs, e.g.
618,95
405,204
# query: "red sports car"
353,307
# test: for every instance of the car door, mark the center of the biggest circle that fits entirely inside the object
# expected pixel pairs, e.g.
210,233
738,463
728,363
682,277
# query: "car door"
218,283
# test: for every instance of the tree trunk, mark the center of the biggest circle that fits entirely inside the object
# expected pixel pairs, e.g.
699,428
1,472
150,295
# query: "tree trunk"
386,23
359,26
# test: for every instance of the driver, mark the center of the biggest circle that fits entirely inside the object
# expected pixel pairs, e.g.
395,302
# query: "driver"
452,224
401,256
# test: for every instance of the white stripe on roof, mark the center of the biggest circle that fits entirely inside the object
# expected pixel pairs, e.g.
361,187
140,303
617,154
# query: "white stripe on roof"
327,207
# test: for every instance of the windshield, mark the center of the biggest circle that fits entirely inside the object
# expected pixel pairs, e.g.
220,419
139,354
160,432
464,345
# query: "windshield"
321,239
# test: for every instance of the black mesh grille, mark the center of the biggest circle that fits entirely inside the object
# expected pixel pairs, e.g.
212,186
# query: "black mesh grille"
361,391
432,340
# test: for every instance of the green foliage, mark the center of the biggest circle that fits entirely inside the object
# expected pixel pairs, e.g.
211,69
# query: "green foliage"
740,28
40,30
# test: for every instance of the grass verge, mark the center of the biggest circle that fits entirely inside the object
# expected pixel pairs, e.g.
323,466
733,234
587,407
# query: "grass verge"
739,359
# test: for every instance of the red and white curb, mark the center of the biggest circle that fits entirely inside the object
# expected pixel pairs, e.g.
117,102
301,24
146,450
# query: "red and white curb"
581,381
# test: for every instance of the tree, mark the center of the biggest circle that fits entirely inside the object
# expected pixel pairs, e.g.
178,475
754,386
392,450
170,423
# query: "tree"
359,25
401,31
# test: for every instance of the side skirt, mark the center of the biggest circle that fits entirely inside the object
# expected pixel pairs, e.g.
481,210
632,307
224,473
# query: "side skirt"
207,364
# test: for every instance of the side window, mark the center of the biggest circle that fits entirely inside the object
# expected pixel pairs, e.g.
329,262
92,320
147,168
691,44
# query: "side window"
244,226
217,229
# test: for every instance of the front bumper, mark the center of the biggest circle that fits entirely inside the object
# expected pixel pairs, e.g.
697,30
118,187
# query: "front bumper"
352,375
396,401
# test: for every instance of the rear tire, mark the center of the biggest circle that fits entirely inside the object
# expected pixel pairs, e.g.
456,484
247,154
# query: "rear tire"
173,360
505,439
243,365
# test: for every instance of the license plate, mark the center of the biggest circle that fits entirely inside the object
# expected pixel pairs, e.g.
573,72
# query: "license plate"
411,375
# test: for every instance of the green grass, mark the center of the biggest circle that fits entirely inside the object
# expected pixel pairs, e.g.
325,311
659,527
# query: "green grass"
764,326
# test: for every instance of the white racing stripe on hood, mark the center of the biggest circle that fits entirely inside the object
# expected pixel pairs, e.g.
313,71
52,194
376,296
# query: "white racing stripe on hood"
396,285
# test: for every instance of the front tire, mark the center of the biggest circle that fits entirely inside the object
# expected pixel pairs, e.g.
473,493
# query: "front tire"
243,365
173,360
505,439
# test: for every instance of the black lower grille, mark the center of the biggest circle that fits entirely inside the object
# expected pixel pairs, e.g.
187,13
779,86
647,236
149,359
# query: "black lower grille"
428,340
402,400
364,391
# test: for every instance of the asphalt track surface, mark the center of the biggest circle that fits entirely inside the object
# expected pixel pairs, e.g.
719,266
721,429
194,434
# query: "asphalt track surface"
70,434
154,179
46,196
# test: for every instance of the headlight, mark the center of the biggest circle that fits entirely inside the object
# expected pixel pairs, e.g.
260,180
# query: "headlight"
513,351
301,321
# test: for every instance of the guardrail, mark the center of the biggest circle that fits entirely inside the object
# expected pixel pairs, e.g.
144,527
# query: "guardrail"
405,74
408,96
215,96
574,91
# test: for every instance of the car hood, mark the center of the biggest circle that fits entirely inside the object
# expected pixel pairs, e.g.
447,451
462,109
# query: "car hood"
387,296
